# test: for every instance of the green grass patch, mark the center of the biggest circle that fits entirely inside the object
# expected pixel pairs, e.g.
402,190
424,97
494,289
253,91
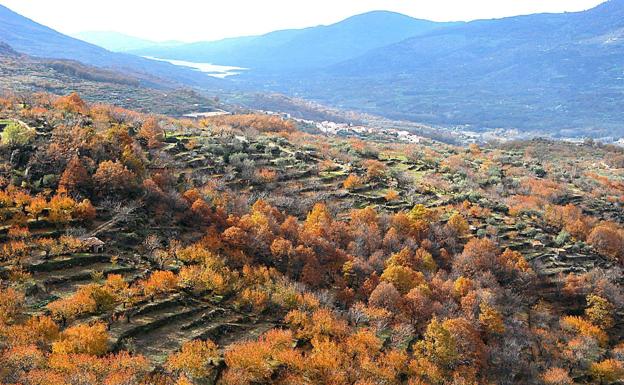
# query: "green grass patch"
393,156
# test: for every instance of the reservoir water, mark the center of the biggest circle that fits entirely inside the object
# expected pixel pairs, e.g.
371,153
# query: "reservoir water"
214,70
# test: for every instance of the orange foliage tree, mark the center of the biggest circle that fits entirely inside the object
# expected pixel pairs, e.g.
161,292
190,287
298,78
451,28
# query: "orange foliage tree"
114,177
608,239
75,177
195,359
352,182
152,132
82,339
71,103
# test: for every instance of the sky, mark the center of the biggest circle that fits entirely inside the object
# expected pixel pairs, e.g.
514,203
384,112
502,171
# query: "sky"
197,20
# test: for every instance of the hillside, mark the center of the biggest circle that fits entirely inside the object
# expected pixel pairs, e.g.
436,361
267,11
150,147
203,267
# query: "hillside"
555,74
21,74
302,48
7,51
237,250
29,37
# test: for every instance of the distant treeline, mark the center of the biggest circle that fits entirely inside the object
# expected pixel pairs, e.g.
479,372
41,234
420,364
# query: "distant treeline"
73,68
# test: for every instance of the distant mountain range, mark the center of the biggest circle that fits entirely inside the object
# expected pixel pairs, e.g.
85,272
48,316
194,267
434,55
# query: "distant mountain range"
119,42
301,49
542,72
29,37
549,73
560,74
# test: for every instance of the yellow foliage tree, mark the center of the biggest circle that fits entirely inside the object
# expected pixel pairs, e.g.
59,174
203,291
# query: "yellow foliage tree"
402,277
609,371
195,359
600,311
491,319
82,339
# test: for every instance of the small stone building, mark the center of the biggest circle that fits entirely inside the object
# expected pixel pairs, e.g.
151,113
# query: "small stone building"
95,245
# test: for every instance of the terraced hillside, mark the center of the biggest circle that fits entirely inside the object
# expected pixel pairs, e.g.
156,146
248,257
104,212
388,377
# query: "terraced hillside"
239,250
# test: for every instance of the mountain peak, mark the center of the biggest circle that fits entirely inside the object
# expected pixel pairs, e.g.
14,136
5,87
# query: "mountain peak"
609,6
388,15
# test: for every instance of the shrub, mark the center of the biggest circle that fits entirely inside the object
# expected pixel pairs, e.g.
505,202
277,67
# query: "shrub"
195,358
15,135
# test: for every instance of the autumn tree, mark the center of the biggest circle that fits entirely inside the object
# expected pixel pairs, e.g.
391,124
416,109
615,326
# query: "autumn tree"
152,132
318,221
84,211
255,362
159,282
82,339
235,236
71,103
609,371
61,208
113,177
19,232
391,196
557,376
352,182
281,249
570,218
419,307
462,286
17,361
479,254
584,328
511,262
11,305
386,296
206,278
323,323
457,225
312,273
75,178
40,331
201,210
375,169
600,311
195,359
402,277
36,206
420,212
439,345
608,240
491,319
259,122
88,299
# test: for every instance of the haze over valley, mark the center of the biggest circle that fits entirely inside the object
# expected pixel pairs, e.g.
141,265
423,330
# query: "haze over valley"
542,74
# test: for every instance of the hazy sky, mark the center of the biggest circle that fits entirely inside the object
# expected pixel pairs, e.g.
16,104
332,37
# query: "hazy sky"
192,20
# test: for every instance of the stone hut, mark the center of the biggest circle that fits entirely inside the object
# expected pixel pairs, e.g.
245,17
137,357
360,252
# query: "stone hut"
94,244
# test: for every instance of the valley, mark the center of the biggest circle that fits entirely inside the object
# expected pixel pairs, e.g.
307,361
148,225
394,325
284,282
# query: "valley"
382,200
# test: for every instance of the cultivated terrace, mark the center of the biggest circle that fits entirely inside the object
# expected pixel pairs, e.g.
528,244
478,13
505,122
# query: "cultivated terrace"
235,250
